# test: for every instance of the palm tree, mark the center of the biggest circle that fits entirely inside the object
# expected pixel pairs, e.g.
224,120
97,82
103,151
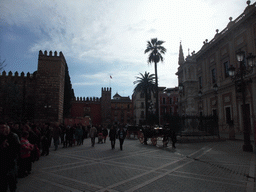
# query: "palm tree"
155,49
145,84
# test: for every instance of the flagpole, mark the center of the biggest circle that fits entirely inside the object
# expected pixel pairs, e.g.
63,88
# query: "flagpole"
110,77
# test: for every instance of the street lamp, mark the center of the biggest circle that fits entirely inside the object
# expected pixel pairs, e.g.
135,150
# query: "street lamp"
181,86
215,88
239,78
200,94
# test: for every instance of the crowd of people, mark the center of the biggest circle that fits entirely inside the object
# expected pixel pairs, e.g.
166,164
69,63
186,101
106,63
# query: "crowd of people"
23,144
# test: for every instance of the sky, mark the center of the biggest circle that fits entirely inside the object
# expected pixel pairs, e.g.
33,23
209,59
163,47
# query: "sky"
103,38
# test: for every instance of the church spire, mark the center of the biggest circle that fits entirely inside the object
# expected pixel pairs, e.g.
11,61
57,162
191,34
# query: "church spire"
181,55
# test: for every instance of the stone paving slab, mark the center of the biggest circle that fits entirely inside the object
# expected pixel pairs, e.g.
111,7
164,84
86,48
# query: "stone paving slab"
174,183
207,166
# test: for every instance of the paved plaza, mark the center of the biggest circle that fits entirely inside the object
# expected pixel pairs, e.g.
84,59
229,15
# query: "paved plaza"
205,166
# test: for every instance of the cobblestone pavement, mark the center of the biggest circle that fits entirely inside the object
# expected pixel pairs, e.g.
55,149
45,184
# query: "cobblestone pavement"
207,166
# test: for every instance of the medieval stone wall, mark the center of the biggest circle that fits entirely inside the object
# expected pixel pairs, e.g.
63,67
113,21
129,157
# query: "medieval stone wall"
35,97
17,101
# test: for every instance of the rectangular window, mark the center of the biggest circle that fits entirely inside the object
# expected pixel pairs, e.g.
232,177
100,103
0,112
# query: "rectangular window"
213,76
214,112
226,66
142,114
200,82
142,95
142,105
163,100
170,100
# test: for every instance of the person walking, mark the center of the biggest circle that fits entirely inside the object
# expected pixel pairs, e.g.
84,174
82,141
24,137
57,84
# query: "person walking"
45,140
173,138
79,134
112,136
56,135
93,133
105,134
121,135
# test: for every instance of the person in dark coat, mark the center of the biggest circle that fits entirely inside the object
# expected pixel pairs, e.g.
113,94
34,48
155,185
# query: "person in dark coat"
105,134
112,137
173,138
9,152
121,135
69,135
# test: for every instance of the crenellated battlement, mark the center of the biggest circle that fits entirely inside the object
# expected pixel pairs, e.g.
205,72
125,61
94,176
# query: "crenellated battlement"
87,99
45,53
51,56
106,89
16,74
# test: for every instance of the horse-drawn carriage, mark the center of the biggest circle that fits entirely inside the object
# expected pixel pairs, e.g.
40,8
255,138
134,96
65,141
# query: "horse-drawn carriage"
155,134
133,131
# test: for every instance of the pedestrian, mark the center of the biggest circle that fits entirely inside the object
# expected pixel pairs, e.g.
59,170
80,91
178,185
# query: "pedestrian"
64,135
121,135
93,133
45,144
9,152
79,134
105,134
173,138
112,136
25,154
84,134
100,135
56,135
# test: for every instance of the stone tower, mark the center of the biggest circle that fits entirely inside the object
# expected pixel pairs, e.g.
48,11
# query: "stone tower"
106,106
50,87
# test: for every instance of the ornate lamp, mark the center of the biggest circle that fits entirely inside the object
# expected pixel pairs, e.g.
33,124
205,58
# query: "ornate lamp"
200,93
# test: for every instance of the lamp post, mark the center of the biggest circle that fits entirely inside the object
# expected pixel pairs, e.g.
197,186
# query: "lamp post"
240,82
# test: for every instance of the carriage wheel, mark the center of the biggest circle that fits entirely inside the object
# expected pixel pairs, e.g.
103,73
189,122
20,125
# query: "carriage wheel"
141,138
154,141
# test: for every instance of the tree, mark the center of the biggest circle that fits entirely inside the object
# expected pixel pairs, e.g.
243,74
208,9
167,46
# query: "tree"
145,84
155,49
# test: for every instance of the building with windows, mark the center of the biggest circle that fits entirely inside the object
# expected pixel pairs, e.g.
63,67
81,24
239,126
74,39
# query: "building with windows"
168,105
204,76
139,107
121,110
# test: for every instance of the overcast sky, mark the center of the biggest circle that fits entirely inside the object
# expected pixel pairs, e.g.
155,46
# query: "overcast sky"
103,38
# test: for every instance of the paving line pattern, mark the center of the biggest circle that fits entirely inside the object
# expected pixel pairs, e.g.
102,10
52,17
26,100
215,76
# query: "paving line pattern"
141,168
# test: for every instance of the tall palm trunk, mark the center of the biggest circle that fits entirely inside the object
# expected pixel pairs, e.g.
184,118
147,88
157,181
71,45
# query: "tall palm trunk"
157,104
146,104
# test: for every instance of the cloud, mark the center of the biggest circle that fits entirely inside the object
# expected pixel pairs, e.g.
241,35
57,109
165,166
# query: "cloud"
109,36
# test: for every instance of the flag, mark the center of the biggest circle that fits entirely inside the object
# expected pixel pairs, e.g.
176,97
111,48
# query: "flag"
110,77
